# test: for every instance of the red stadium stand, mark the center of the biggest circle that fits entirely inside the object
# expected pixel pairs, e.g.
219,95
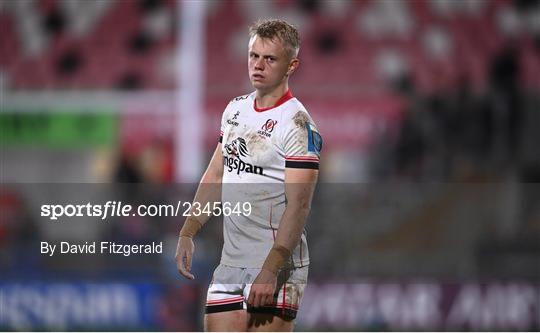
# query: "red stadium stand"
110,53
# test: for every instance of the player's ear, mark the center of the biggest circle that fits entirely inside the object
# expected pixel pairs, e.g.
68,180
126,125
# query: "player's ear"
293,65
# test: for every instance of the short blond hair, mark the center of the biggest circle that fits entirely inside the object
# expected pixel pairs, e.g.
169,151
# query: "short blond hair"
278,29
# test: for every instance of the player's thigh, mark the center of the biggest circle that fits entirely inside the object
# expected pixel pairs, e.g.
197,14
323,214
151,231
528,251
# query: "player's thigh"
227,321
266,322
225,310
280,315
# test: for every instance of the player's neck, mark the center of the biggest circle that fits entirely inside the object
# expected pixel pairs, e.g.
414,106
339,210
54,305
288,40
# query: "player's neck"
266,99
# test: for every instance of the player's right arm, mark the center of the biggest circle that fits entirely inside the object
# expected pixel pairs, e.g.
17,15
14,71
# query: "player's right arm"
209,191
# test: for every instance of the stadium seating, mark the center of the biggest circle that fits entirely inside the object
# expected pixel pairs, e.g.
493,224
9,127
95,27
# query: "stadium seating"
123,43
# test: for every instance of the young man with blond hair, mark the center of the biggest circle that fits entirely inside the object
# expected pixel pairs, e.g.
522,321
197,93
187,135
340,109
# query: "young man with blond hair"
267,155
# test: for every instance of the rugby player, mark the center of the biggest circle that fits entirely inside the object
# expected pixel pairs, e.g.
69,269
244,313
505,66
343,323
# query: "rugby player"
268,154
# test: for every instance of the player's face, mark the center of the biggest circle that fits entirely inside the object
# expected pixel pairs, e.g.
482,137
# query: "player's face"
268,65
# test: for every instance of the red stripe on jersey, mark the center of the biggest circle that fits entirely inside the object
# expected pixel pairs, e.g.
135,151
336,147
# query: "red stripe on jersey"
270,222
300,251
302,158
288,95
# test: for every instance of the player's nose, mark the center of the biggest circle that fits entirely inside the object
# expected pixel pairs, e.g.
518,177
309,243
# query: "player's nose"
259,64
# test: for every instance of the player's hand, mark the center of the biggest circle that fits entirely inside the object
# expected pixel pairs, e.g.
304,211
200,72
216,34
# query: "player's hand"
262,289
184,255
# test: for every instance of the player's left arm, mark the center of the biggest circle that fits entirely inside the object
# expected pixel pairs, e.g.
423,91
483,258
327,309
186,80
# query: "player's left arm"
299,188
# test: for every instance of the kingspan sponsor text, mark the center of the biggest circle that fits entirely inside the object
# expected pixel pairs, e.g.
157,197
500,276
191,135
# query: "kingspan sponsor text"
233,163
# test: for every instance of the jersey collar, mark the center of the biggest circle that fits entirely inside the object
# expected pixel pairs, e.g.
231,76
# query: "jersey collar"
288,95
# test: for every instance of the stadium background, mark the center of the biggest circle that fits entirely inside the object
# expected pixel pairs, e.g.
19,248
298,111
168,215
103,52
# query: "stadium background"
428,211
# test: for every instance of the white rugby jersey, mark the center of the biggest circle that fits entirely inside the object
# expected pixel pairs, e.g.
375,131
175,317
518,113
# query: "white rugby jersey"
257,146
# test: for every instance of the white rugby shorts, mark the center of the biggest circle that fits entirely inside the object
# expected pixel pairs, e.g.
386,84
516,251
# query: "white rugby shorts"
230,287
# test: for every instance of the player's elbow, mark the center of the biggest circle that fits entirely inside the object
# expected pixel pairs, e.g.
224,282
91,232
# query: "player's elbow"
301,207
306,209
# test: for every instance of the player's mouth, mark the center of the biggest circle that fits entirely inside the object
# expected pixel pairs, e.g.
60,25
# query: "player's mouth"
257,77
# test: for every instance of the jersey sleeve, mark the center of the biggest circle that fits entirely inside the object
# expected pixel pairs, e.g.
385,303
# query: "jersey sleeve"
222,127
302,143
